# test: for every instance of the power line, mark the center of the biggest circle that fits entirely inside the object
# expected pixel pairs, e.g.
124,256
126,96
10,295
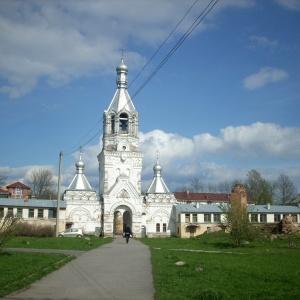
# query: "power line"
166,39
202,15
82,139
198,20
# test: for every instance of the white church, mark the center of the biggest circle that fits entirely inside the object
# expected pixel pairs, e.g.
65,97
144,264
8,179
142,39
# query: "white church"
121,202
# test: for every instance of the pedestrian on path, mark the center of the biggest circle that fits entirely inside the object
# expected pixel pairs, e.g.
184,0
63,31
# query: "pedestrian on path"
127,233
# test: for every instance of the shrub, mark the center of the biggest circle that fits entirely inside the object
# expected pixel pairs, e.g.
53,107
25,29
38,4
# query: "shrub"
9,226
37,230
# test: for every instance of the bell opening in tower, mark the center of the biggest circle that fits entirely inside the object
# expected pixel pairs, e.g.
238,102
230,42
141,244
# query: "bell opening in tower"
123,123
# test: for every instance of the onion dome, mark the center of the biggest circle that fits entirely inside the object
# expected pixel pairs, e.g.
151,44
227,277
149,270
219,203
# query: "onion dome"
122,67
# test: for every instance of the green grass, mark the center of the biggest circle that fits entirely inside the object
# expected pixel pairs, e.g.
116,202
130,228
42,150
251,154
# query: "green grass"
21,269
83,244
261,270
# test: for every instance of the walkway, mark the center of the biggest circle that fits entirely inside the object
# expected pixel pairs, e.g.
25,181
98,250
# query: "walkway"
113,271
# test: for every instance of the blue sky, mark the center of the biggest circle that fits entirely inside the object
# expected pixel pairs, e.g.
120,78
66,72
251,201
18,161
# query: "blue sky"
226,102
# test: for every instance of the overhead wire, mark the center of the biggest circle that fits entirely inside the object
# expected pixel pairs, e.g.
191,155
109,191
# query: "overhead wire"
203,14
161,45
198,20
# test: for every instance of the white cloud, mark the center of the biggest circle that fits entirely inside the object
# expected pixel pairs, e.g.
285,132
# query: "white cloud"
213,158
264,41
264,76
60,41
226,157
289,4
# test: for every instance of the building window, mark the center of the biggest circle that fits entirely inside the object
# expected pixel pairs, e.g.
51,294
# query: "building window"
1,212
164,227
10,211
157,227
276,218
31,213
123,123
20,212
254,218
294,217
18,191
51,213
207,217
194,218
187,218
178,217
263,218
217,218
40,213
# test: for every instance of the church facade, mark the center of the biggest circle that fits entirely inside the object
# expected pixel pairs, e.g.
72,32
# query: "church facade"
120,202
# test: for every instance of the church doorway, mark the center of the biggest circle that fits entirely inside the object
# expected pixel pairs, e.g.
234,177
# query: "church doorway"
122,218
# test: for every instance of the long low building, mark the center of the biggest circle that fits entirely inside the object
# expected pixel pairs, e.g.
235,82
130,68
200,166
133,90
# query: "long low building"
190,219
34,210
193,220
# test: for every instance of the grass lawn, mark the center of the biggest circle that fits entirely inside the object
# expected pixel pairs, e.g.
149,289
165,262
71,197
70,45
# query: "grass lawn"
84,244
19,269
261,270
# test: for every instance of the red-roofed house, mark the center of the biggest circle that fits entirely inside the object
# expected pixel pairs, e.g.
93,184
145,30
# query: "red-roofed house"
18,190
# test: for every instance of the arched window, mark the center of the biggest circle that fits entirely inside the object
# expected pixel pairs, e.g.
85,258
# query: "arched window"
123,123
112,120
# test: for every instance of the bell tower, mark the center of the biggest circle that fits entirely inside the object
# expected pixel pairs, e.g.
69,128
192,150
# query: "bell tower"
120,162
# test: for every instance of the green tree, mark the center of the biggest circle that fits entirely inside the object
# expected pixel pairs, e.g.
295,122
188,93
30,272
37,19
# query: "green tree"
236,216
41,182
285,188
259,190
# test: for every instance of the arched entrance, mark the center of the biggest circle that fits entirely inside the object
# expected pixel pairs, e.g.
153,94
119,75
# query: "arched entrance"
122,218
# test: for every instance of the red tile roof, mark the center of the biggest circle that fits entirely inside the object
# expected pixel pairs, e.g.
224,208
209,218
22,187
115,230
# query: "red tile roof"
187,196
18,184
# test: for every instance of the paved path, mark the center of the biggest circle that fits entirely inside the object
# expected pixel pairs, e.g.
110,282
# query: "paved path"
113,271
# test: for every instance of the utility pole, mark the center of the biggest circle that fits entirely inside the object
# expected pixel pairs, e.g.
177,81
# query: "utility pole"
58,194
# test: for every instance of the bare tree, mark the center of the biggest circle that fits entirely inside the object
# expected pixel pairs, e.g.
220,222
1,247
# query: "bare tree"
41,183
196,185
9,226
285,188
2,180
182,188
211,188
225,187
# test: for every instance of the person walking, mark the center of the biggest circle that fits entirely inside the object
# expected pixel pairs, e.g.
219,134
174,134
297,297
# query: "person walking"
127,233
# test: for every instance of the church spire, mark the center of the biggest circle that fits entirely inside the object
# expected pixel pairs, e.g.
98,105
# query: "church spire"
158,185
120,120
79,182
121,100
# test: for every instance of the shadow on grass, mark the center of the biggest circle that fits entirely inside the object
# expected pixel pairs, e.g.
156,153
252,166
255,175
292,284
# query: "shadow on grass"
3,253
